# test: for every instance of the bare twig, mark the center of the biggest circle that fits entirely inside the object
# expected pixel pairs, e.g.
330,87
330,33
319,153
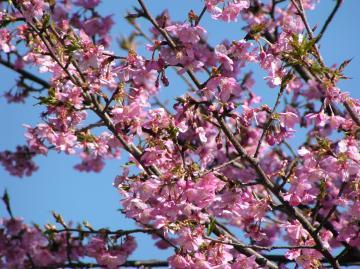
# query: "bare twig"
219,167
270,120
104,231
200,16
91,126
302,14
25,74
263,177
168,38
138,264
260,247
6,200
332,210
329,19
300,8
292,211
260,259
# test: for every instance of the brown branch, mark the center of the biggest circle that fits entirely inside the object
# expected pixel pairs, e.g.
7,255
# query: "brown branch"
260,259
131,263
216,168
148,263
218,230
200,16
104,231
168,38
98,109
306,75
144,35
160,263
270,120
263,177
302,15
6,200
332,210
241,152
351,112
265,180
25,74
283,259
160,104
260,247
91,126
329,19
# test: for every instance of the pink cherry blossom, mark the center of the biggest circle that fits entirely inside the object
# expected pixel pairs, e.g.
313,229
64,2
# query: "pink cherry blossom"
230,12
5,41
210,168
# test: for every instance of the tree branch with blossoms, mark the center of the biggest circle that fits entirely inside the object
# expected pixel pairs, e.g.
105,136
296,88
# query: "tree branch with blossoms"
215,178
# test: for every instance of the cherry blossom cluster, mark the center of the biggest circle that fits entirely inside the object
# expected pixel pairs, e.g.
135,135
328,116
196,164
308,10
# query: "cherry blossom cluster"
18,163
219,160
24,246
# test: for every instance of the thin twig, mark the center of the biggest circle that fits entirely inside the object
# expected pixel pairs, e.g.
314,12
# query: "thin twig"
6,200
264,179
144,35
216,168
91,126
260,259
168,38
302,14
25,74
200,16
332,210
329,19
104,231
138,264
261,247
270,120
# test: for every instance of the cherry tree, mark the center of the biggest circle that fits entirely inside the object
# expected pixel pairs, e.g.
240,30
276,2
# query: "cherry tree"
214,178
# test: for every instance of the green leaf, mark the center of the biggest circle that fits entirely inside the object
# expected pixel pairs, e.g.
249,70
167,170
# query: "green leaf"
49,101
173,131
46,20
210,227
308,44
74,46
85,137
255,31
322,188
5,22
130,163
344,64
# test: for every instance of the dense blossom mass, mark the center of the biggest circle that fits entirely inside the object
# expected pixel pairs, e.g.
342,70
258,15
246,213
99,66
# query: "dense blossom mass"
218,159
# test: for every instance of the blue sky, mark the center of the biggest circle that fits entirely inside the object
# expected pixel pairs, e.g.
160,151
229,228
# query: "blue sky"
88,196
